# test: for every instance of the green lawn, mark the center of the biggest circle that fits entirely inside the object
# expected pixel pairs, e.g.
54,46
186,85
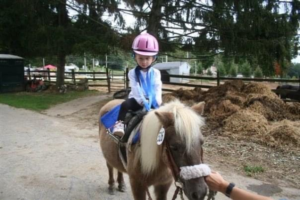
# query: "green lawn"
41,101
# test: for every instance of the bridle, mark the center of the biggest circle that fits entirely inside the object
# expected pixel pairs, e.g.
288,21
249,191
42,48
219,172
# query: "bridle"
176,171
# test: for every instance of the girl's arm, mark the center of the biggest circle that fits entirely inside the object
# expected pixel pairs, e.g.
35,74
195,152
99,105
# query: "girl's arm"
216,182
134,87
158,86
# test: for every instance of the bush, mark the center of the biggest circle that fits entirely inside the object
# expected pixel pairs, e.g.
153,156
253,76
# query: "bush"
258,72
233,69
246,69
221,70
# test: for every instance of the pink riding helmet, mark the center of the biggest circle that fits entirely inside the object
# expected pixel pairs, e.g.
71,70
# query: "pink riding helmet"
145,44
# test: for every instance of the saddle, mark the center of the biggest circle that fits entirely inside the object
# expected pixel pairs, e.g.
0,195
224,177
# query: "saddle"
132,119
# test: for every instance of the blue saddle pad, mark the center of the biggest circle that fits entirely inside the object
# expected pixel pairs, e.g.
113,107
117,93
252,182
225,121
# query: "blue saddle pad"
110,118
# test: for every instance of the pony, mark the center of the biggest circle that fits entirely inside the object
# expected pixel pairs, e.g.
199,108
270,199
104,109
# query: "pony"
150,163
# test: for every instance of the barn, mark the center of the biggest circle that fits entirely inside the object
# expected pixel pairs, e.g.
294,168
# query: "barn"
176,68
11,73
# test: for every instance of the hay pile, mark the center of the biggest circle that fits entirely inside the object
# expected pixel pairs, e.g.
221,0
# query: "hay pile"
247,111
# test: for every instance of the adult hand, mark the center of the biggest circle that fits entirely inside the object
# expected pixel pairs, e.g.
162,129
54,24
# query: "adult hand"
216,182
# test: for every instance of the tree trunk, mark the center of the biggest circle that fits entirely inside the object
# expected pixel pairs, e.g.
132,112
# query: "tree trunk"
60,75
61,55
155,18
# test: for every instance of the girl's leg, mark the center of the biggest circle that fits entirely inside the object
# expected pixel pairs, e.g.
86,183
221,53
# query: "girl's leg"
129,104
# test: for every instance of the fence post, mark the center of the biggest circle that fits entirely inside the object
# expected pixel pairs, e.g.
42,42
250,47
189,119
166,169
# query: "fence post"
73,77
126,77
28,73
218,78
108,80
94,75
48,71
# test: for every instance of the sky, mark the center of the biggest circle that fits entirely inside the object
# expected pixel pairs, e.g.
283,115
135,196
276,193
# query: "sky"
296,60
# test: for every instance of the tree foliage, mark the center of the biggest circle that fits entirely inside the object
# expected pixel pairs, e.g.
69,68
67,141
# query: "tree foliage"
260,31
245,69
258,73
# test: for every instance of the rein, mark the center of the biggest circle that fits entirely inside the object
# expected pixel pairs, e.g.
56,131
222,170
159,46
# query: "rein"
176,171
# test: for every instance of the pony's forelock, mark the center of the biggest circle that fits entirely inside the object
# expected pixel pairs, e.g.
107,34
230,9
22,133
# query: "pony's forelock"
187,125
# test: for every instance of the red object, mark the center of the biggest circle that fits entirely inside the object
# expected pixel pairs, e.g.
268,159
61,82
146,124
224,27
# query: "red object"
49,67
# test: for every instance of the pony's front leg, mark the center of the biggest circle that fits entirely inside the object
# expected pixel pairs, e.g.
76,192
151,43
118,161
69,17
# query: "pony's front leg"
111,180
121,182
138,189
161,191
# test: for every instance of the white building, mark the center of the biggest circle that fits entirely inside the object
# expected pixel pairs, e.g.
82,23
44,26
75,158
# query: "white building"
68,68
176,68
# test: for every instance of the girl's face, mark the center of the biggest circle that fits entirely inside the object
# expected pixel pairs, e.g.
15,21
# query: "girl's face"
144,61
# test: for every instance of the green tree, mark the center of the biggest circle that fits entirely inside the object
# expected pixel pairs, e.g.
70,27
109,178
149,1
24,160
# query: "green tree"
221,70
45,29
250,29
294,70
245,69
209,73
233,69
200,68
218,63
258,73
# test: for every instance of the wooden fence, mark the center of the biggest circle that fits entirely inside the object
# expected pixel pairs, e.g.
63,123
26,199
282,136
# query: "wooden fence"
202,81
107,76
73,77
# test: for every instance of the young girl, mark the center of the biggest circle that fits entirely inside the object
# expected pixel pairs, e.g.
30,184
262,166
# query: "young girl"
145,81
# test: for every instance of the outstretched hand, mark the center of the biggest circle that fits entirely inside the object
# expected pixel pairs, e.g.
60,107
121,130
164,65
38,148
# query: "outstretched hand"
216,182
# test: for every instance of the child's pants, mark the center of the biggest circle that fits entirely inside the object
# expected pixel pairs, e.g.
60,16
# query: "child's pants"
129,104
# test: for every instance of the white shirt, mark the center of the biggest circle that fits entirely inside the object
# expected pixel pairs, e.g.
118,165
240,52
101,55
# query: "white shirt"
134,84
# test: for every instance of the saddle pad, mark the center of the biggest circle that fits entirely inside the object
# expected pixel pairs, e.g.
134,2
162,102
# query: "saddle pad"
110,118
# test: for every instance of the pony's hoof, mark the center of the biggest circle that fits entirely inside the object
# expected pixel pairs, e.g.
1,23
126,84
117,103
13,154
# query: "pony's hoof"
122,187
111,190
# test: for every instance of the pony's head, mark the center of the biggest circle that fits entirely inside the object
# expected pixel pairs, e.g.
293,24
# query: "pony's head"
183,138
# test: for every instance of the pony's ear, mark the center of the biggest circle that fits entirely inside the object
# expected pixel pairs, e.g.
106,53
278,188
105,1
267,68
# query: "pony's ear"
199,108
166,118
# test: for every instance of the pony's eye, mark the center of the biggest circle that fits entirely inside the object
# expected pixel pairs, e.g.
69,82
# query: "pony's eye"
175,147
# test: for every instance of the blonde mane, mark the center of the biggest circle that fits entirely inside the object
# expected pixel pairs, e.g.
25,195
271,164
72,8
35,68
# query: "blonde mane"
187,125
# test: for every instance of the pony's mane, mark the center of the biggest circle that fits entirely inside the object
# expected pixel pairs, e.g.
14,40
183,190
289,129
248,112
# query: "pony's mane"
187,125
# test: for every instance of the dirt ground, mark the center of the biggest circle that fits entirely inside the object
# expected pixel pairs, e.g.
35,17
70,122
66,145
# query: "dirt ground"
280,164
84,176
228,154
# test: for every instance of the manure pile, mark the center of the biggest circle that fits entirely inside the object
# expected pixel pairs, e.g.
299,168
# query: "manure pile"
247,111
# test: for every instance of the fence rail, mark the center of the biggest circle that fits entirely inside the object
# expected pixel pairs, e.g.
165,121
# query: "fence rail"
215,81
50,76
194,81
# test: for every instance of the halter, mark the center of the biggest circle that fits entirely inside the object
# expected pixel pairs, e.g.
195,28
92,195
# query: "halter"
176,171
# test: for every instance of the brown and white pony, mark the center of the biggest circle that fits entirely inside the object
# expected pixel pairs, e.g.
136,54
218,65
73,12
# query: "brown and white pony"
150,164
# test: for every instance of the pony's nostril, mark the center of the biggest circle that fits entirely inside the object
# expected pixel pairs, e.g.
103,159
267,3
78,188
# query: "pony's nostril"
198,196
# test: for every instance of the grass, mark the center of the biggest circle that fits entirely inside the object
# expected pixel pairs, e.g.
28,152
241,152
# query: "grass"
250,170
41,101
